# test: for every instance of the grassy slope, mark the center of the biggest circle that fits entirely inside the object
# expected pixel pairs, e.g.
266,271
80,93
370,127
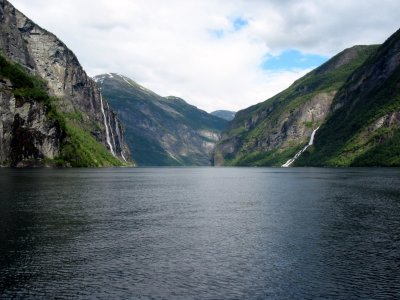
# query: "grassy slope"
324,79
78,147
346,139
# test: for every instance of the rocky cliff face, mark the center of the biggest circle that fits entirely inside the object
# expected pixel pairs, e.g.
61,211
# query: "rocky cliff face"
43,54
364,127
27,135
161,130
271,132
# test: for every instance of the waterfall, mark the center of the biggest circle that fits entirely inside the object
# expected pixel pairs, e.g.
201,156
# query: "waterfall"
106,126
292,160
111,131
119,134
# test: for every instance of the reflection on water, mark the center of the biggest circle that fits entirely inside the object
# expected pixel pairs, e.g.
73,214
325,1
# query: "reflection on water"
200,233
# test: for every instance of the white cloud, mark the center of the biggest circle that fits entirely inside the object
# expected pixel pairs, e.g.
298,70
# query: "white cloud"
168,46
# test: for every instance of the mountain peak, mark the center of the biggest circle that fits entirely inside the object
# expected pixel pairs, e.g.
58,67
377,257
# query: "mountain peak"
161,130
120,79
224,114
347,56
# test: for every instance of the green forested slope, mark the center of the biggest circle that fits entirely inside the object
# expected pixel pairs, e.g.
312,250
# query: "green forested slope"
363,129
271,132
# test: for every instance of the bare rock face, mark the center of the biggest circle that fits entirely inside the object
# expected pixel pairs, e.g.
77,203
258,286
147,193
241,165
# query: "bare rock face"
297,125
292,127
12,43
387,121
44,55
26,134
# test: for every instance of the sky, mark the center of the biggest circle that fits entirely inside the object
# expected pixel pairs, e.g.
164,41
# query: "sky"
215,54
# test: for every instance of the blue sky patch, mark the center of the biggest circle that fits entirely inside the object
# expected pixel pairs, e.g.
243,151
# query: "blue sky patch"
239,23
217,33
292,59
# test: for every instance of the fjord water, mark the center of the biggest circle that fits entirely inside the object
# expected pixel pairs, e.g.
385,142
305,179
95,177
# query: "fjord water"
200,233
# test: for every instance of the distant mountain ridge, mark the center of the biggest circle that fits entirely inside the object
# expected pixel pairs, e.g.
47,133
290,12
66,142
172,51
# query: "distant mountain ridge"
161,131
224,114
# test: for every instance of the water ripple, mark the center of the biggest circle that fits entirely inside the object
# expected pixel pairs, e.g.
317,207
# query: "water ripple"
200,233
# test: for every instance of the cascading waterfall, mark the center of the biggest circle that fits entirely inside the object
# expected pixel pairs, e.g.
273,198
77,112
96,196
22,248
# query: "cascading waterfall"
111,131
119,134
106,126
292,160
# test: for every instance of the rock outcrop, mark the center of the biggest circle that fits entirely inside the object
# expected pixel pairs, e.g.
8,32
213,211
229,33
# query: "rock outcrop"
27,135
42,54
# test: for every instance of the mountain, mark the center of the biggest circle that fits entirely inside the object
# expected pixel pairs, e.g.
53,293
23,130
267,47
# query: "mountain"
364,126
161,131
224,114
272,132
51,112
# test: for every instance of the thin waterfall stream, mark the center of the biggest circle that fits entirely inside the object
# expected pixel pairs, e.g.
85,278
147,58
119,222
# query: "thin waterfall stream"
106,126
292,160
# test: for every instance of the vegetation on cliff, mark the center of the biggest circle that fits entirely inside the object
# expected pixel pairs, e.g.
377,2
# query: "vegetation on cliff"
271,132
77,147
161,131
364,129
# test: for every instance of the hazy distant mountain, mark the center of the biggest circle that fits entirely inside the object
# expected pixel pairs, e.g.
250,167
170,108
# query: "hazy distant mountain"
224,114
161,131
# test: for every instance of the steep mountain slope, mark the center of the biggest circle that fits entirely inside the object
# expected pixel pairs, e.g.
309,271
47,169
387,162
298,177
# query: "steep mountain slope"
51,111
271,132
161,131
224,114
364,128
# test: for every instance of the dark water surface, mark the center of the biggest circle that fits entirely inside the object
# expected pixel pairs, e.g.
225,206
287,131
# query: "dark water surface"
200,233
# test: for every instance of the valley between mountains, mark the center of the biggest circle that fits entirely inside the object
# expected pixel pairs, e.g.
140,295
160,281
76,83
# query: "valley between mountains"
344,113
161,131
